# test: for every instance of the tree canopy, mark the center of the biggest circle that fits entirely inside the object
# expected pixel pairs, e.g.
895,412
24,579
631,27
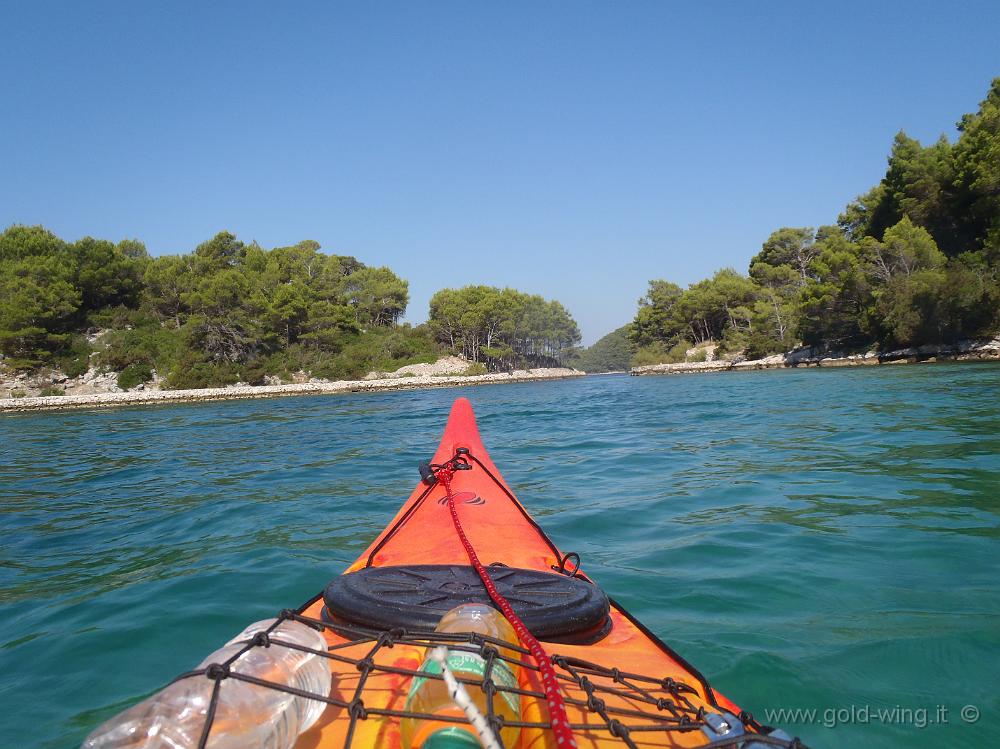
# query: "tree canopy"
226,311
502,328
914,260
233,311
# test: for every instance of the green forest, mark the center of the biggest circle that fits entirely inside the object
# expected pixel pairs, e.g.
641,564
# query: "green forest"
914,260
233,312
612,353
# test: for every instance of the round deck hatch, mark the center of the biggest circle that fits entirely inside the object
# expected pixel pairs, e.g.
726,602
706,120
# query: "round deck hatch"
554,607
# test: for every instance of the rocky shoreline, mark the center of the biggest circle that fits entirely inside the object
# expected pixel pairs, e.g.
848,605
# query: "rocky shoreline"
314,387
979,350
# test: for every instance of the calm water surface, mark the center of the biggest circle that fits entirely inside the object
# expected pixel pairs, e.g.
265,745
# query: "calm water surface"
825,540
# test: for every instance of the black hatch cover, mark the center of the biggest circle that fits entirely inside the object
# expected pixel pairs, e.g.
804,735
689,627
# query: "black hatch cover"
551,605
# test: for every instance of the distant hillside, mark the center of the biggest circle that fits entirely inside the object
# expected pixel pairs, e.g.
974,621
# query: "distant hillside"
612,353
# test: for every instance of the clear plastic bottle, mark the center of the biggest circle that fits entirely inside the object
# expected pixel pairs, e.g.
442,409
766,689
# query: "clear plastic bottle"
431,695
247,716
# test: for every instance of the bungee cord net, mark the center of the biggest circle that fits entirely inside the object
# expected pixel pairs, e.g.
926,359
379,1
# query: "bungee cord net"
373,670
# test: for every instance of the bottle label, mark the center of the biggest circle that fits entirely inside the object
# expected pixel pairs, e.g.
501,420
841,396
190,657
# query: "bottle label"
472,666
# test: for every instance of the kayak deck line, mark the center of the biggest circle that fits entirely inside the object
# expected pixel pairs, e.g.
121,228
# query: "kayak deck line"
620,684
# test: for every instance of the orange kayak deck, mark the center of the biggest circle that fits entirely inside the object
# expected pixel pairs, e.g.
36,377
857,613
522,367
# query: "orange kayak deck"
627,689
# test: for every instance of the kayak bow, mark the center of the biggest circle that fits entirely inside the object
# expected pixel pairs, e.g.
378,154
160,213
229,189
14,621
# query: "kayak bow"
622,685
384,656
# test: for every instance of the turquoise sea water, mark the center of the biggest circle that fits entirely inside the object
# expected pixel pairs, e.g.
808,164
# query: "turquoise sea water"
824,540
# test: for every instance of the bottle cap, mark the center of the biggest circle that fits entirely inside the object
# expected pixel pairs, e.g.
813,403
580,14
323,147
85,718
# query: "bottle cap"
451,738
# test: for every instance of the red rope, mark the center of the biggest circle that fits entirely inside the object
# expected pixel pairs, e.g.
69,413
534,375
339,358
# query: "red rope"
557,708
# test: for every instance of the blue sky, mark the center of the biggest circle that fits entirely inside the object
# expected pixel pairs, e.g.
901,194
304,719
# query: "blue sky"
574,150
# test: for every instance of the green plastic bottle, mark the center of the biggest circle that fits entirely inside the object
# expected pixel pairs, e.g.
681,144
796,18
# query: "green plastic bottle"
431,695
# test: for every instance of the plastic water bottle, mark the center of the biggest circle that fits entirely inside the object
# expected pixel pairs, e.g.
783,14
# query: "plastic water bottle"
247,716
431,695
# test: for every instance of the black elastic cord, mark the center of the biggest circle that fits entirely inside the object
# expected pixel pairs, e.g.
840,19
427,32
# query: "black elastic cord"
674,655
562,569
518,505
397,525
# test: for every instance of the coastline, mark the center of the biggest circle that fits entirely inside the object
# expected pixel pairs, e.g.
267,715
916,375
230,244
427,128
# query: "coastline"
244,392
979,350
